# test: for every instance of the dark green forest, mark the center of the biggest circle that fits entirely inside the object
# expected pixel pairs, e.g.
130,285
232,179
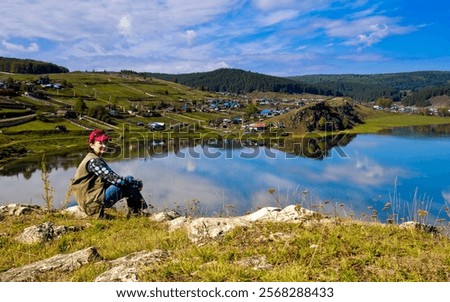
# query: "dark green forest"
412,88
421,97
236,81
400,81
27,66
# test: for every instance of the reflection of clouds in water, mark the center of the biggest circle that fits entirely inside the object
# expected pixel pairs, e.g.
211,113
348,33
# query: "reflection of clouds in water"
16,189
363,172
11,192
172,181
285,191
446,196
173,189
190,165
275,181
365,142
261,198
167,185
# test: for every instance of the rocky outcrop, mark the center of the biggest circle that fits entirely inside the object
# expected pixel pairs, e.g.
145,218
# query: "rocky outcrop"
324,116
131,267
128,268
165,216
44,232
203,228
59,263
15,209
125,269
75,212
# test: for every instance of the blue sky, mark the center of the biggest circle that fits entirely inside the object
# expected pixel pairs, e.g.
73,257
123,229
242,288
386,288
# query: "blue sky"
276,37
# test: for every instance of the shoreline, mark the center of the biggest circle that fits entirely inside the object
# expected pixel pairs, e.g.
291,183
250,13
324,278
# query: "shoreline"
24,149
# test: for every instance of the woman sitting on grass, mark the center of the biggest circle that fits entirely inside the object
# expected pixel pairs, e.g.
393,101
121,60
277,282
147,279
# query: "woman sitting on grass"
97,187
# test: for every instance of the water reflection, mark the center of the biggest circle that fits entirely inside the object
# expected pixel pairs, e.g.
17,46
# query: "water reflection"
27,167
314,147
432,131
234,176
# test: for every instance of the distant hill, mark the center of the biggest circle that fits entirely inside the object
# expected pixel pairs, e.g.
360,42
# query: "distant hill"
397,86
400,81
428,95
236,81
26,66
407,86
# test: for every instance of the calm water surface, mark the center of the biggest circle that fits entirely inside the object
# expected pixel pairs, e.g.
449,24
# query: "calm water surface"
396,173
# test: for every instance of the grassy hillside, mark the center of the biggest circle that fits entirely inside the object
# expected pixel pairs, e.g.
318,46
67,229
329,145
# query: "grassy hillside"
125,104
343,250
128,96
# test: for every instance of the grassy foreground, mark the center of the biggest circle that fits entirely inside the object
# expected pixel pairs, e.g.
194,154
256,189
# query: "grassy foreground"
344,250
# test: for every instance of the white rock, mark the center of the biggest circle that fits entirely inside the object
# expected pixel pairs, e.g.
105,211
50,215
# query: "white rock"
75,212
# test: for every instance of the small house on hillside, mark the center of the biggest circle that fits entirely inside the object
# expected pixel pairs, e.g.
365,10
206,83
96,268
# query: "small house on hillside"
258,126
156,126
266,113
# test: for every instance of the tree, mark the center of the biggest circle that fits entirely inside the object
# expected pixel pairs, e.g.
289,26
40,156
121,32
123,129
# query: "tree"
443,111
322,123
384,102
79,107
99,112
44,79
9,83
251,110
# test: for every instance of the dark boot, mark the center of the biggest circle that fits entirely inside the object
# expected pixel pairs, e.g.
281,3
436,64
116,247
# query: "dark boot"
137,205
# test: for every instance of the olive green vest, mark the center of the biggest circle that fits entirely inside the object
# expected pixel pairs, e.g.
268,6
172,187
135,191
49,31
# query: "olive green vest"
88,188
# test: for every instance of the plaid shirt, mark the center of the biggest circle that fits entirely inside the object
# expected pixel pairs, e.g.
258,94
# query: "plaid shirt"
101,169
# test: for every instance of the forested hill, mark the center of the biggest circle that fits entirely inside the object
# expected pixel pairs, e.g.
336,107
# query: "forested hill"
408,86
237,81
392,85
27,66
401,81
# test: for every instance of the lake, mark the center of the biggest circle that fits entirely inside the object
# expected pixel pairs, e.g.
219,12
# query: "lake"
401,174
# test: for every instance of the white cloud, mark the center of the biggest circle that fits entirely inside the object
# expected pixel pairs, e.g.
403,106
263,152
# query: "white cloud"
304,6
376,34
363,58
268,5
364,13
364,31
124,25
33,47
186,36
278,16
190,37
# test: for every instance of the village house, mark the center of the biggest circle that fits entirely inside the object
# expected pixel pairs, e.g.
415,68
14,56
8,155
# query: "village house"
257,126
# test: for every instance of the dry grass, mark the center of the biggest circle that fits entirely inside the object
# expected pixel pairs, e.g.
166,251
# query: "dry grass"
343,250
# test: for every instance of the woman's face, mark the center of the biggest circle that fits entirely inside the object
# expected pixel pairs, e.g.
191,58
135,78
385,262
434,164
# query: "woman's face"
99,147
